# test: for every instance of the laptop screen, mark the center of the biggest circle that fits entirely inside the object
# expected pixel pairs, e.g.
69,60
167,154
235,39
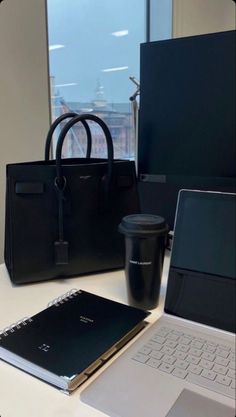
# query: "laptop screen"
202,276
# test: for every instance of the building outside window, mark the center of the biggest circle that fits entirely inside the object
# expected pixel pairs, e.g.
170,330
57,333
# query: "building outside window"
93,52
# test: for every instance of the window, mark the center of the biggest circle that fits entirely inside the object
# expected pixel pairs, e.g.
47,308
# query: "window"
93,50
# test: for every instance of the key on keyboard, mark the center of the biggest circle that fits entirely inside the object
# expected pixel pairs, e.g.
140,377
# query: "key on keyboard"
199,361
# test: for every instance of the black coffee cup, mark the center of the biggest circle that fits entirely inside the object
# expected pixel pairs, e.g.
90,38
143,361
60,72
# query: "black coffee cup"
145,242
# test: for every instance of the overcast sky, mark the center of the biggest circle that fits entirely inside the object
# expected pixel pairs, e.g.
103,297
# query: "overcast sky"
98,43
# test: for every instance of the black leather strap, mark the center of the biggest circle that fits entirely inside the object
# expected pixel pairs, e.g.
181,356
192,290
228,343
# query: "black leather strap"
64,131
54,126
61,246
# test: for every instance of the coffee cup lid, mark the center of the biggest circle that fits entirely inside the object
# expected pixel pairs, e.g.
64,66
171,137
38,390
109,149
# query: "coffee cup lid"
143,224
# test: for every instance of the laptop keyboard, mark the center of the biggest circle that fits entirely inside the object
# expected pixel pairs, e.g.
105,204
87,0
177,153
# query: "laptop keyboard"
190,358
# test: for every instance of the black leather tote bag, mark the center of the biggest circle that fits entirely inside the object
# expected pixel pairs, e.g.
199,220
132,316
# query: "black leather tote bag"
62,215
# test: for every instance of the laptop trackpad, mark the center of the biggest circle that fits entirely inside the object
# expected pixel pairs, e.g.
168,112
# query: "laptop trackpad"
190,404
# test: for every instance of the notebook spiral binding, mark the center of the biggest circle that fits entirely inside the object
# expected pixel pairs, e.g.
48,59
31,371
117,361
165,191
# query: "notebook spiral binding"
64,298
23,322
15,326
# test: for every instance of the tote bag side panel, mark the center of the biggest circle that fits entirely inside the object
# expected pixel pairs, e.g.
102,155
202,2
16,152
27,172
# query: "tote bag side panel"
32,220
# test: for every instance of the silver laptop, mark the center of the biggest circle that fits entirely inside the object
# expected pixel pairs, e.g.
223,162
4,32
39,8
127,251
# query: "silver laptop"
184,364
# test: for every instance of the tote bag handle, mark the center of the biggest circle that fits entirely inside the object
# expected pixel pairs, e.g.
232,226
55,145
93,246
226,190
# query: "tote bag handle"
81,118
54,126
61,246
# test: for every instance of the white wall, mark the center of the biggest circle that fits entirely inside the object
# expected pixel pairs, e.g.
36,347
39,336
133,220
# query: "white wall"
24,97
192,17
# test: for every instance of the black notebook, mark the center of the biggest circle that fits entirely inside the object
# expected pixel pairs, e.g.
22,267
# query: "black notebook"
65,343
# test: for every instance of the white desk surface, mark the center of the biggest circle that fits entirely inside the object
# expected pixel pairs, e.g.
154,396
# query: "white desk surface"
23,395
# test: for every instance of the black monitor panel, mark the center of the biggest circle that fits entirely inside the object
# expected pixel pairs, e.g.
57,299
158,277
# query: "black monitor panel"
187,118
